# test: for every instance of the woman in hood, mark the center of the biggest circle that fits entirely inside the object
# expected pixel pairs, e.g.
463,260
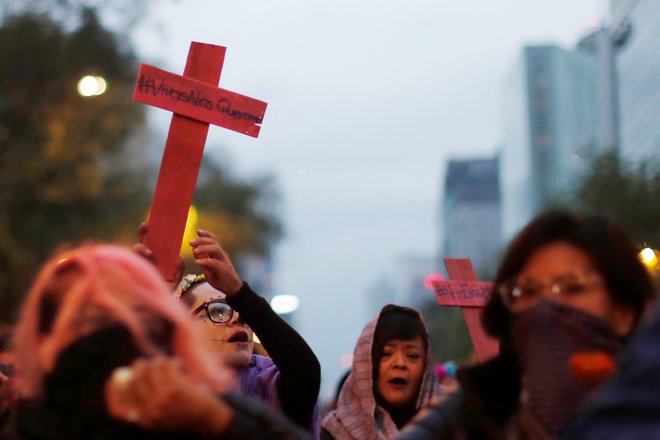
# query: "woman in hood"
391,379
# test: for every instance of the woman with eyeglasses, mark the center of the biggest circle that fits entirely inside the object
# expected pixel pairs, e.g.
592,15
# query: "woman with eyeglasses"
230,312
569,292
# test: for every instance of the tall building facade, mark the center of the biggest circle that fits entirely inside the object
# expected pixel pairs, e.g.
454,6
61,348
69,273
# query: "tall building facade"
555,112
636,36
471,213
601,45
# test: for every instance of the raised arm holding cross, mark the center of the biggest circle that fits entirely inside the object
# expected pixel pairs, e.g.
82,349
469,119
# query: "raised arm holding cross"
196,102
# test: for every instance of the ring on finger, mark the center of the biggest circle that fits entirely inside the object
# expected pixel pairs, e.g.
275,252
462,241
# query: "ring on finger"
122,377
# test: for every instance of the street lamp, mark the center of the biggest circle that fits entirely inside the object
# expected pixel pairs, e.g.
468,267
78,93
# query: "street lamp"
649,257
92,86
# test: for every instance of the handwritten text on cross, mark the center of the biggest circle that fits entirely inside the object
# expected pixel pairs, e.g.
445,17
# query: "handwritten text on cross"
195,101
200,101
462,293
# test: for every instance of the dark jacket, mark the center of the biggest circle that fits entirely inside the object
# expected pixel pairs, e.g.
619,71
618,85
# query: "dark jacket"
289,383
252,420
628,407
72,404
482,409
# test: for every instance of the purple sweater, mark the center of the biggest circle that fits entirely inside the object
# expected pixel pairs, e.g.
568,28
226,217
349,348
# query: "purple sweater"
259,379
290,381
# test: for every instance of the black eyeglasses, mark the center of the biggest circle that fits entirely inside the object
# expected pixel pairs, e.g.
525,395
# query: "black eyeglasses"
531,289
217,311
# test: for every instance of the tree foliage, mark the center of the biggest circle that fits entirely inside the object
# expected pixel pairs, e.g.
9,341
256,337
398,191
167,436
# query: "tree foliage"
67,170
627,193
243,214
69,12
449,335
54,143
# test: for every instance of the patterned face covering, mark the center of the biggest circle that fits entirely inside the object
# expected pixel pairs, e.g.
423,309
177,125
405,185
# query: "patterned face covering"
544,338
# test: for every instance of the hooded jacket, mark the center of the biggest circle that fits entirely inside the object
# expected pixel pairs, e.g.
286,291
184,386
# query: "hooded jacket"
358,415
628,407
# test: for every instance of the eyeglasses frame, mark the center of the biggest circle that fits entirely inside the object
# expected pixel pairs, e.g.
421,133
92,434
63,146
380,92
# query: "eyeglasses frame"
205,306
557,288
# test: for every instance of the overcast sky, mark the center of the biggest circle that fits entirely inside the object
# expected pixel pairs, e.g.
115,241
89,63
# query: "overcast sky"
366,102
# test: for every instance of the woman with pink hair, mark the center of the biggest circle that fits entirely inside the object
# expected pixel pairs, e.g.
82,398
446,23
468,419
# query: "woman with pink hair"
103,351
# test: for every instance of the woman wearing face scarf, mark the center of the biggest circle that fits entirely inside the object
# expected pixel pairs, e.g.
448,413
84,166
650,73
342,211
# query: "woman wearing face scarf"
568,293
104,352
391,379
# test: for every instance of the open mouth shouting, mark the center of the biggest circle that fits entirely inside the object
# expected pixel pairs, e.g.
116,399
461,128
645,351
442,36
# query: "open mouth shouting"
398,390
239,338
398,382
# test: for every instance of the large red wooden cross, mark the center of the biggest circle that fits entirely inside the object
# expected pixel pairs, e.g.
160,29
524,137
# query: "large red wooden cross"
196,102
471,296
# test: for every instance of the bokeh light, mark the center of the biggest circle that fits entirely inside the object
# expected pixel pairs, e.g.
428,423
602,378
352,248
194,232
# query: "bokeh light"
190,232
649,257
346,360
283,304
92,86
431,278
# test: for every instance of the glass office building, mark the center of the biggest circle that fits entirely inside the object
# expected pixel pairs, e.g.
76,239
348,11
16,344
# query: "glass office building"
471,213
554,116
636,36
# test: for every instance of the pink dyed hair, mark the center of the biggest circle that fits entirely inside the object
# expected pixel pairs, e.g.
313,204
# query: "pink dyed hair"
111,279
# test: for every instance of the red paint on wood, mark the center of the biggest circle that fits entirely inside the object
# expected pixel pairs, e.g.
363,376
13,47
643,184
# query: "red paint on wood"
460,269
185,146
178,171
198,100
